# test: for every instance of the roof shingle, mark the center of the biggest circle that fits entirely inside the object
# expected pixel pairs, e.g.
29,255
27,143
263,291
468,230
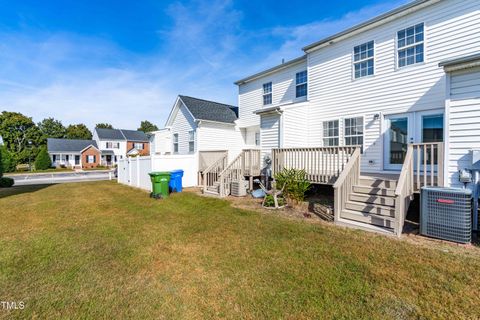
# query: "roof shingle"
210,110
121,134
68,145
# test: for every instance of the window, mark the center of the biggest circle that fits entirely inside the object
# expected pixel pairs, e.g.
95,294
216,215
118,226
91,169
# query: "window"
410,45
301,84
54,157
330,133
191,141
363,60
257,138
109,145
116,145
175,143
353,131
267,93
138,146
90,159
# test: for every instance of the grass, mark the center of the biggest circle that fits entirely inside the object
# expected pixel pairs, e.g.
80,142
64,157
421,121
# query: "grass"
102,250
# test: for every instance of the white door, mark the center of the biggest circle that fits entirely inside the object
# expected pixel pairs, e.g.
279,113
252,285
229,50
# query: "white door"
398,134
412,127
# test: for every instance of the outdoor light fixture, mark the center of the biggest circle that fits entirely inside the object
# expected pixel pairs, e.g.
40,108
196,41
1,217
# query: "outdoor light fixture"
376,116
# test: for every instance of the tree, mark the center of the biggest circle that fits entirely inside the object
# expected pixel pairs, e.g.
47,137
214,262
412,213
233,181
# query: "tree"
20,135
43,162
1,163
78,131
104,126
52,128
147,126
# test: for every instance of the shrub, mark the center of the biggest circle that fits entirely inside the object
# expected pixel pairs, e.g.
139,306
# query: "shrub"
43,162
8,162
1,165
294,183
6,182
270,202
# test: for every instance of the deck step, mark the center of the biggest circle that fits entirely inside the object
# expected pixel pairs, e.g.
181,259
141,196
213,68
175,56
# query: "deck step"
370,218
378,183
370,208
374,190
211,193
375,199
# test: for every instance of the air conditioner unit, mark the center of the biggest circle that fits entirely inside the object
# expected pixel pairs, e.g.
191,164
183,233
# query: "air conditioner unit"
446,213
238,188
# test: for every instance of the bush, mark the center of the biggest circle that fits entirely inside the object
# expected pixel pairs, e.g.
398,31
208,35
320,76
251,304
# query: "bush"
6,182
270,202
294,183
43,162
1,165
8,162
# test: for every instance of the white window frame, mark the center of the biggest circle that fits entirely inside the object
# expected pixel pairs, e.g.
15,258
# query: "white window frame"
373,58
305,83
137,144
257,138
423,42
109,145
325,137
175,143
265,94
191,141
345,136
92,159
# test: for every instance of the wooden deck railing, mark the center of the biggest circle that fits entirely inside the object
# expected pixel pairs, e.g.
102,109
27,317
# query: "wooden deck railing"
212,173
349,177
247,163
322,164
423,166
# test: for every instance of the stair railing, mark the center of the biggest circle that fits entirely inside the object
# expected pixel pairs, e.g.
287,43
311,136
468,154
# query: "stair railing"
212,173
246,163
343,186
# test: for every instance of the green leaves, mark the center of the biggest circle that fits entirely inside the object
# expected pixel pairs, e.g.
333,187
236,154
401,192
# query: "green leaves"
43,162
293,182
78,131
147,126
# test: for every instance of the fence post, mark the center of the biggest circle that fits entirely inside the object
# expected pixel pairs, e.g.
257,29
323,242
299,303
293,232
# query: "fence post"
137,158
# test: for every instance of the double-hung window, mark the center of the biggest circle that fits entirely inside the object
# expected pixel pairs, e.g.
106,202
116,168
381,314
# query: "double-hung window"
363,60
257,138
353,128
267,93
109,145
191,141
138,146
91,159
410,45
301,84
330,133
175,143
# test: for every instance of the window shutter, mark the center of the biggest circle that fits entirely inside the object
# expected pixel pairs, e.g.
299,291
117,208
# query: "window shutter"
94,159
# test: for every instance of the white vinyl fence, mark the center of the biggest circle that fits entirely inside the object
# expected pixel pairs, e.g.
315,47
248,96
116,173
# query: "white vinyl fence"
134,171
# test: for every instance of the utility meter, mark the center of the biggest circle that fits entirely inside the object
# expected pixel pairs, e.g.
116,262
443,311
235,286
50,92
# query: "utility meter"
465,176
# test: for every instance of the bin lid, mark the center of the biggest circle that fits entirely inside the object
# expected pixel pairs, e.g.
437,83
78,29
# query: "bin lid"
177,171
159,173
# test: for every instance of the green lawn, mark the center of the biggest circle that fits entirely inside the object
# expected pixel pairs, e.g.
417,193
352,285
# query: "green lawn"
102,250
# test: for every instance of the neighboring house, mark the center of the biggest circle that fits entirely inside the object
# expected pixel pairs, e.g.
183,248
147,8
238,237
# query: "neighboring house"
73,153
409,78
116,144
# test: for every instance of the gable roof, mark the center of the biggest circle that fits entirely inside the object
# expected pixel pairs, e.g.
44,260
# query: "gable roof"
383,18
210,110
121,134
69,145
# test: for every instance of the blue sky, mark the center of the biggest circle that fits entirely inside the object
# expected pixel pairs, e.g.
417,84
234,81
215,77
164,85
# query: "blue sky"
125,61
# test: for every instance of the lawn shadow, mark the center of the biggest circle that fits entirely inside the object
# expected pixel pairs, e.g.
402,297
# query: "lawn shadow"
16,190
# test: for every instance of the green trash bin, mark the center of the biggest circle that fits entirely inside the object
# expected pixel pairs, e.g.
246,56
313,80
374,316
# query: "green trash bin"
160,182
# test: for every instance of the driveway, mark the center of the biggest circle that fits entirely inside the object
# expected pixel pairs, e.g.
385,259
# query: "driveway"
63,177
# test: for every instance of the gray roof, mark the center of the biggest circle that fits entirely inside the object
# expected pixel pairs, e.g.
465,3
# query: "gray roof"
121,134
210,110
107,153
403,9
68,145
275,68
459,60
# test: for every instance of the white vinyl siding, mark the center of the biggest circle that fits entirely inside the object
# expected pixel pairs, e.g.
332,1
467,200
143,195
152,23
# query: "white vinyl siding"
216,136
182,124
464,122
283,92
452,30
270,132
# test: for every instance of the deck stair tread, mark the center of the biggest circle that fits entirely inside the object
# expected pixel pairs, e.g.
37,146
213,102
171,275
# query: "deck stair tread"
374,190
373,199
369,218
370,208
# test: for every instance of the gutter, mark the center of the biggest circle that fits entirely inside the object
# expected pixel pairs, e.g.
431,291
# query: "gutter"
461,63
199,121
276,110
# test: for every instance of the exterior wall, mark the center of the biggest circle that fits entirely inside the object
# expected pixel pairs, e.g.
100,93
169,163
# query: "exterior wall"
250,96
144,152
182,124
269,132
61,159
451,30
464,122
248,135
161,142
120,152
216,136
93,152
